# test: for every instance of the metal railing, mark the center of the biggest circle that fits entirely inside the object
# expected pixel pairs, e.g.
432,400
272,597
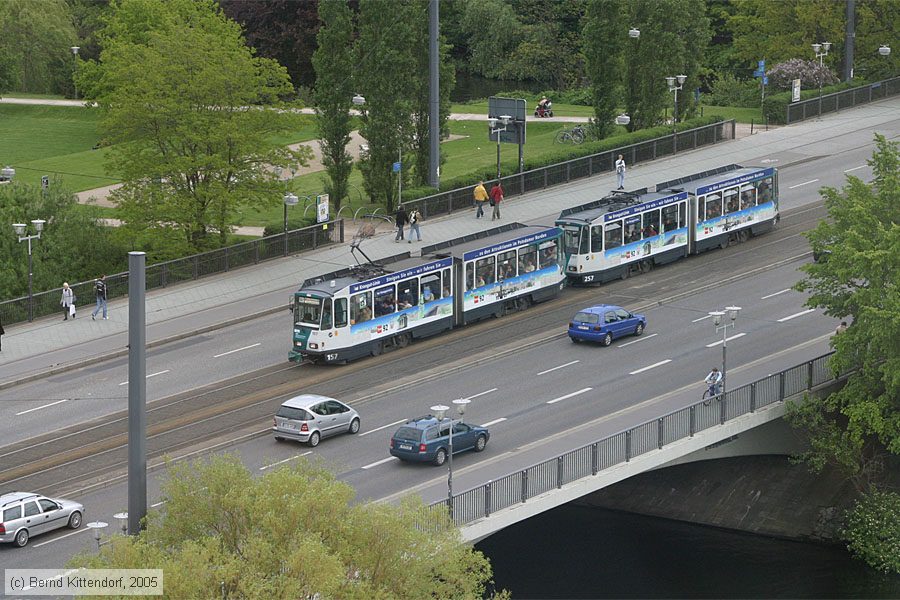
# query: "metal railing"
814,107
518,487
164,274
579,168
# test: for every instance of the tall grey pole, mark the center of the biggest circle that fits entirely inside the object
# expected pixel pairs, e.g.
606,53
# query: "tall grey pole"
434,101
137,393
850,36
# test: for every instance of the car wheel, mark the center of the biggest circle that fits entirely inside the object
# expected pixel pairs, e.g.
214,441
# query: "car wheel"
75,520
278,438
21,538
354,426
576,340
314,439
639,329
607,339
440,457
480,443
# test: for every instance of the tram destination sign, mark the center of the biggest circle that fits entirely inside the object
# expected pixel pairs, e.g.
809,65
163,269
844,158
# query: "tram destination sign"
509,245
429,267
758,174
645,206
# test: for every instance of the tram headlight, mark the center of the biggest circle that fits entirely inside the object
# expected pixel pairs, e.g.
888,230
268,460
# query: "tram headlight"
313,346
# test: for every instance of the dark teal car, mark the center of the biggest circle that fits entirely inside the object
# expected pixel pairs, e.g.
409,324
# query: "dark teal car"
605,322
426,439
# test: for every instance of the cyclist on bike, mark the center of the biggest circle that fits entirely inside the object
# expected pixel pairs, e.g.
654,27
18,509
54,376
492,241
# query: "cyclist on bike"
713,380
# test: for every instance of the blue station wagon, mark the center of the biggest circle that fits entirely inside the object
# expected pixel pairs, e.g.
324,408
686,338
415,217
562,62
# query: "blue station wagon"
426,439
604,323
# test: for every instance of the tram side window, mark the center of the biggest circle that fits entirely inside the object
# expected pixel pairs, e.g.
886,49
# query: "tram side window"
713,207
651,223
731,201
670,217
597,238
633,229
764,192
528,258
470,276
612,235
340,312
549,254
447,289
408,293
326,313
430,287
485,269
506,265
361,307
682,214
385,301
748,197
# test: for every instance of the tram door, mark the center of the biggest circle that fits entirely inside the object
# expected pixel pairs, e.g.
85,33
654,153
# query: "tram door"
459,291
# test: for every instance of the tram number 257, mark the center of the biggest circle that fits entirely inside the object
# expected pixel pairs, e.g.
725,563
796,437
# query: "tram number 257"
588,278
331,357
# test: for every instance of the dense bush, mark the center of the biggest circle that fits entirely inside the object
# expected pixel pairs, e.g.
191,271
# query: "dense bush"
728,90
872,530
809,72
775,106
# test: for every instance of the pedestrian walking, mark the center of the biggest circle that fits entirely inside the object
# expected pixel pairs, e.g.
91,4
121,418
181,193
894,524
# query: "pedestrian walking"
414,220
496,199
481,196
841,328
620,171
2,332
67,302
100,293
400,219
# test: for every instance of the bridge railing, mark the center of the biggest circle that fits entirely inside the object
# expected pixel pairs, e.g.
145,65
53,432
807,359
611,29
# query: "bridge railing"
518,487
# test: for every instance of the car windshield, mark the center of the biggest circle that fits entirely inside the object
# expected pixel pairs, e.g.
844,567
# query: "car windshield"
587,317
307,311
573,240
408,433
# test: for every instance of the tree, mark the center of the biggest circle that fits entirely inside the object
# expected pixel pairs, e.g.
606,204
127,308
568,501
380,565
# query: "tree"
877,22
493,31
35,37
189,111
333,62
604,40
873,530
810,74
858,283
386,67
682,28
292,533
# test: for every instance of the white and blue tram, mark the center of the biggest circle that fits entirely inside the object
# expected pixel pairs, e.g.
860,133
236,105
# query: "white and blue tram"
361,311
629,232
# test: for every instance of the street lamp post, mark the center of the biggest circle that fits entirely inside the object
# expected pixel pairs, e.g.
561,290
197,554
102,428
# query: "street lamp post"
824,47
439,411
290,199
6,174
20,232
75,50
673,87
492,123
717,321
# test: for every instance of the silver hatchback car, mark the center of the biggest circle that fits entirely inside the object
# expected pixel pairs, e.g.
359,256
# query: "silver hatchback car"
309,418
23,515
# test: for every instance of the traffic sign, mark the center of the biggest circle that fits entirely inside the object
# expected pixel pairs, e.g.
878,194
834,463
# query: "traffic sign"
758,73
765,80
761,65
396,167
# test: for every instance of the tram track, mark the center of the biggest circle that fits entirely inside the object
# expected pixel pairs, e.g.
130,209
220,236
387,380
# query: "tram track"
56,460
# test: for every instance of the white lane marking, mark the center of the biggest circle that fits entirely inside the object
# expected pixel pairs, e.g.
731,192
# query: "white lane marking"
640,339
66,574
62,537
160,503
700,319
734,337
855,168
281,462
481,393
568,364
802,184
567,396
794,316
653,366
149,376
494,422
238,350
380,462
776,294
40,407
383,427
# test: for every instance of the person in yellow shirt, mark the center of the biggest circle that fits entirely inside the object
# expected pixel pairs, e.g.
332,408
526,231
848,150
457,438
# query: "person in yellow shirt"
481,196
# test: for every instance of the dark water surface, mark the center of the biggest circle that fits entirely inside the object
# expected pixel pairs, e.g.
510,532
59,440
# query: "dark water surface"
579,552
470,87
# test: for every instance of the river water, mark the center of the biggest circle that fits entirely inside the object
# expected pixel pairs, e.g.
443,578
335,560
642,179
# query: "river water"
580,552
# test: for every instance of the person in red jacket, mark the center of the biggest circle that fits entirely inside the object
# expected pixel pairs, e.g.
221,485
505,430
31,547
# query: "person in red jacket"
496,199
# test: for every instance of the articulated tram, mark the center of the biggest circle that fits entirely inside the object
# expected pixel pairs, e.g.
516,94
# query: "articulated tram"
365,309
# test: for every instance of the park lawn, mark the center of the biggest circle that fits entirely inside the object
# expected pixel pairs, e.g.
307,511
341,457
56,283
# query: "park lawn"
559,110
739,114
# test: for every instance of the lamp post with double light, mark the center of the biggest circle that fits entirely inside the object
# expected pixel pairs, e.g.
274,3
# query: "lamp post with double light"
75,50
717,317
674,87
290,199
504,120
20,229
439,411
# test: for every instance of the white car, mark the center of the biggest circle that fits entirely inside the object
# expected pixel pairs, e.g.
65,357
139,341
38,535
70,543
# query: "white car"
309,418
23,515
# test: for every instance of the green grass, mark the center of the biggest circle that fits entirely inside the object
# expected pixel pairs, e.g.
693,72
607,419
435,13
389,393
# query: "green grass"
559,110
741,115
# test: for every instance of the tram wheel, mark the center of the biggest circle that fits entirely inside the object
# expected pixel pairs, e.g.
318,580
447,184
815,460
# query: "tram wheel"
377,348
725,241
402,340
744,235
646,266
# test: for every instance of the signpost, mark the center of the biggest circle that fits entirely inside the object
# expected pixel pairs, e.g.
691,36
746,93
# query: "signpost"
795,90
323,208
763,81
514,132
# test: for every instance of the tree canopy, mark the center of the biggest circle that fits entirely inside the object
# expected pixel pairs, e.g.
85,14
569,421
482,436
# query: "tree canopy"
292,533
188,108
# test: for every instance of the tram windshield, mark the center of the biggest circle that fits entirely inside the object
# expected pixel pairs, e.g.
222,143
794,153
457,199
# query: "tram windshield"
307,311
575,240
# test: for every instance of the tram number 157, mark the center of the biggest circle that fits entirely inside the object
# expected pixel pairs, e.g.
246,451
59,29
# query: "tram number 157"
331,357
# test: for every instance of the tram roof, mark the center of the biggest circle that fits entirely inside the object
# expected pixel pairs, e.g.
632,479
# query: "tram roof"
616,201
464,246
701,183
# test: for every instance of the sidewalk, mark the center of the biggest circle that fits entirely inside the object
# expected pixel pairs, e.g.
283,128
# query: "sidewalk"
50,345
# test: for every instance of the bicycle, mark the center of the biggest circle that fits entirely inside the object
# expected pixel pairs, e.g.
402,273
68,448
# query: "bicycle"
711,391
576,135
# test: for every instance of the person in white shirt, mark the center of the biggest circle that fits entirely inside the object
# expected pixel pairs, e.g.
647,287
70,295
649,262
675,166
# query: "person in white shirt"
620,171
